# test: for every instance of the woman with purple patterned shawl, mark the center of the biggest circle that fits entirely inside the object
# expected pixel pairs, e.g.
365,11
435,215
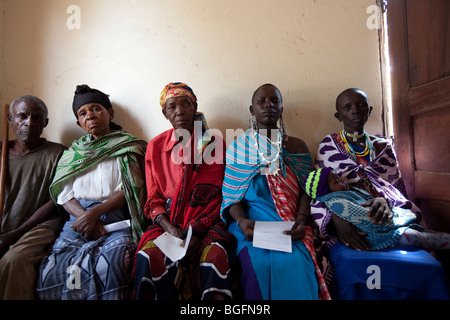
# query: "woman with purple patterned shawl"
376,171
382,172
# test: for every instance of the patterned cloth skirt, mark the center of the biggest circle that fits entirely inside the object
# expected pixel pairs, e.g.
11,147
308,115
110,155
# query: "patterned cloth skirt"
158,277
78,269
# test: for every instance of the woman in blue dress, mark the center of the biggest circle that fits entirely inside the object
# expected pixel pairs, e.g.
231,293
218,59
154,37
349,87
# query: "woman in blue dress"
263,175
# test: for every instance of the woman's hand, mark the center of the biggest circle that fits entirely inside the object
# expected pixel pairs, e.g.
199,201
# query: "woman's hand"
348,234
170,228
86,223
298,229
247,226
194,245
379,210
98,231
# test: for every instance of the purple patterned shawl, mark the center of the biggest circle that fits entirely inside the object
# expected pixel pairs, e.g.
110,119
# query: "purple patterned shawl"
382,172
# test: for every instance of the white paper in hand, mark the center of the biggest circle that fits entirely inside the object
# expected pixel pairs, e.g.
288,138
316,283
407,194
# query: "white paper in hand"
171,246
117,226
269,235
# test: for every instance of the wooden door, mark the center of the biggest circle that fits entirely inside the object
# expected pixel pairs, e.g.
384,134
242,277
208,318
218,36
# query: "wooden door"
419,45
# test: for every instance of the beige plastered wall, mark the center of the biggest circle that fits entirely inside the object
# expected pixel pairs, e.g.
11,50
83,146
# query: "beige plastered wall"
224,49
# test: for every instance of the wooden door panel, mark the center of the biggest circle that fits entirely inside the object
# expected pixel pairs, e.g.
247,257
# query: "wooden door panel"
432,140
430,96
438,218
432,185
428,32
419,43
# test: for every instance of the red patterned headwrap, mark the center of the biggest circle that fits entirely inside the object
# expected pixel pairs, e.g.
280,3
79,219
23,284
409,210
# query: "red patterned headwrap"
176,89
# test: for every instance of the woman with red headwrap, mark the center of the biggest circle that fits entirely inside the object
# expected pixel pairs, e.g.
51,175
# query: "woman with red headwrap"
184,192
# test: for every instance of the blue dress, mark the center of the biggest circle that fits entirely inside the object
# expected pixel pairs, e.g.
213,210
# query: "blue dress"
280,275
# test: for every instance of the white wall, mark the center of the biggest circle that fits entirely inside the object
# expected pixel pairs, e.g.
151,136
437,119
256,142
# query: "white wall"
224,49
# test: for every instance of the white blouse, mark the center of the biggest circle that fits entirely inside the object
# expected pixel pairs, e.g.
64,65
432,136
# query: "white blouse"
98,183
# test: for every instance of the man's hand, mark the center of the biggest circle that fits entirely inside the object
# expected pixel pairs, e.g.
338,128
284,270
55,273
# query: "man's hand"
6,239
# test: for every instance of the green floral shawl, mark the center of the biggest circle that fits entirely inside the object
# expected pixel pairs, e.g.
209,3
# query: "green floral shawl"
86,152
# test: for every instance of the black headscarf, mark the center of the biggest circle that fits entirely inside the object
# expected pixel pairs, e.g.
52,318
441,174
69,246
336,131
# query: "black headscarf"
84,94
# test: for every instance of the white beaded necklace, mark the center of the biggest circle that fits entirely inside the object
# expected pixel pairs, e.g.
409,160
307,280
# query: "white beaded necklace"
272,163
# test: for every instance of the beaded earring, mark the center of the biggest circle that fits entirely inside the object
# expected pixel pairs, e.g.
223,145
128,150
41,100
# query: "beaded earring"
253,123
282,128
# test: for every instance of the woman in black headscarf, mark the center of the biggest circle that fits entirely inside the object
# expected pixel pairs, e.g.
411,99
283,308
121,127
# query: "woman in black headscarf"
99,181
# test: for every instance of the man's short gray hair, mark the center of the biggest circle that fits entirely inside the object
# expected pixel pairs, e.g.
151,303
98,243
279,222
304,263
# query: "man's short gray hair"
29,98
